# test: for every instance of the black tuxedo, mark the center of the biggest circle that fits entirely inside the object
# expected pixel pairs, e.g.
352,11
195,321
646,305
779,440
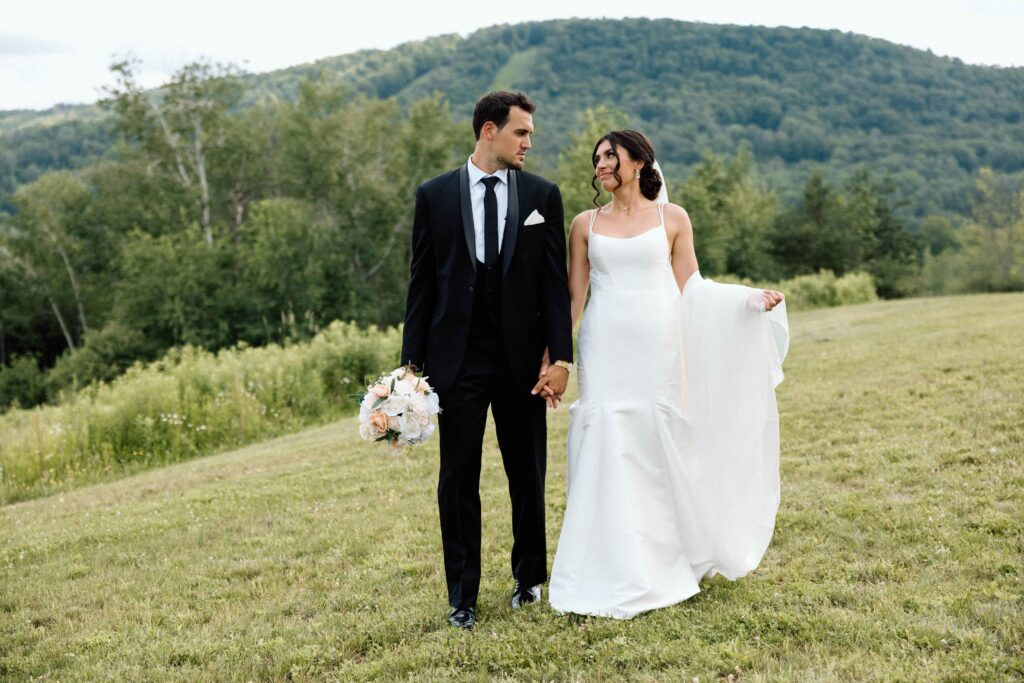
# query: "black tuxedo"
478,333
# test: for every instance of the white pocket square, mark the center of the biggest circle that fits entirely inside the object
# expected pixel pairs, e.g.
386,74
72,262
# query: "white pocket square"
533,218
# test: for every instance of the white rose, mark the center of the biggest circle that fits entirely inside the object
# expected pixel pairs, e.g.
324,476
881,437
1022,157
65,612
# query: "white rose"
418,403
410,427
406,386
396,405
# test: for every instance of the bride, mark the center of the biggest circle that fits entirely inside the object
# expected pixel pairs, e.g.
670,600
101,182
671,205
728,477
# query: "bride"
673,466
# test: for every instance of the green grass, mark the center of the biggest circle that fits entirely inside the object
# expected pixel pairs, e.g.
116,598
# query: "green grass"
898,553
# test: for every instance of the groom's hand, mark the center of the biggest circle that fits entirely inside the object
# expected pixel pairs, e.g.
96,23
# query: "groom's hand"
552,385
542,381
545,363
542,388
558,380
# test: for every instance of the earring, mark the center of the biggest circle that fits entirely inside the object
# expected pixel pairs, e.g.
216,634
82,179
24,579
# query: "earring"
638,174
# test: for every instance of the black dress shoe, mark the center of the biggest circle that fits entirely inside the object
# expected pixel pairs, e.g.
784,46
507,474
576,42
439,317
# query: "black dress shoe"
462,618
524,596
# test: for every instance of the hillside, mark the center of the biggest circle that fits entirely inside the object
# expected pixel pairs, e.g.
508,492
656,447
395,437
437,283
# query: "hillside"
796,98
316,556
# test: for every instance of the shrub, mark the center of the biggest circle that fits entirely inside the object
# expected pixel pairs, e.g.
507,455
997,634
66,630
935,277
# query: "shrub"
820,290
190,402
105,354
21,383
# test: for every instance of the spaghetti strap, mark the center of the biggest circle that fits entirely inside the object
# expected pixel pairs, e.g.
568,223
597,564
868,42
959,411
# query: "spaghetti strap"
661,212
593,217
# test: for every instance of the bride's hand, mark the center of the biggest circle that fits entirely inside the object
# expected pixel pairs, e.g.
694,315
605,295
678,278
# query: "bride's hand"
772,299
764,300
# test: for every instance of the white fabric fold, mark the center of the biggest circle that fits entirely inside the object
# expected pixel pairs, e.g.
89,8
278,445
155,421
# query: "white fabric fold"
718,423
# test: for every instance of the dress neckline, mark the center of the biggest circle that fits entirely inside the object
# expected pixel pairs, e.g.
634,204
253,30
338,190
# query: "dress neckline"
593,219
630,237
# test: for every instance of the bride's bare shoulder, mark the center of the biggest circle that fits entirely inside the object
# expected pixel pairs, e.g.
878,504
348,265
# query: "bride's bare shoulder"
580,223
675,212
677,221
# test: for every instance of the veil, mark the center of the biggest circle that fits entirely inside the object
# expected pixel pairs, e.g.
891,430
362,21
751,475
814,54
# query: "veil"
663,192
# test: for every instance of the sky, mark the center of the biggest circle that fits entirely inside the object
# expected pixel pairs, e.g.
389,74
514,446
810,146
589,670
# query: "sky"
59,51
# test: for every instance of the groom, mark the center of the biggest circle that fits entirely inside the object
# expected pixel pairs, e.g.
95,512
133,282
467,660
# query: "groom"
488,293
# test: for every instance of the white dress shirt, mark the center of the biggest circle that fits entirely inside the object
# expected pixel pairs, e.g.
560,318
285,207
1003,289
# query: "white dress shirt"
476,194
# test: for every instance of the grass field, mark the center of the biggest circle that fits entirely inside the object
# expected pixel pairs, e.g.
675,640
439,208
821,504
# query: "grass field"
898,555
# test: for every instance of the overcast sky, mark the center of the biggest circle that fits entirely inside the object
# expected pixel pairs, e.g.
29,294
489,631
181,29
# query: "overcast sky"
59,50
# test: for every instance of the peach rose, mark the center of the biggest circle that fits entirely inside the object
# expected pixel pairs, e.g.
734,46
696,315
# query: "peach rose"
381,390
379,421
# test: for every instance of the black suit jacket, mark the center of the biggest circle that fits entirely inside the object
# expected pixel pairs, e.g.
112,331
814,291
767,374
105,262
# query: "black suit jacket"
534,289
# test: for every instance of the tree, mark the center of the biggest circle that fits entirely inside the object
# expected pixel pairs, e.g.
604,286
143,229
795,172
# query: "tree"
893,257
731,217
936,235
46,239
185,131
358,161
992,255
576,164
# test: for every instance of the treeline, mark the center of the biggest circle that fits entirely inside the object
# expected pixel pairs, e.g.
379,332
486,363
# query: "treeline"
216,224
213,225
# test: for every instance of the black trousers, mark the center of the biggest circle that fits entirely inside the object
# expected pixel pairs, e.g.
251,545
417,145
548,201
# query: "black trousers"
519,419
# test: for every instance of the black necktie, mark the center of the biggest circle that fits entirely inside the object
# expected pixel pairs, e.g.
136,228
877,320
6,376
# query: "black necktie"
490,221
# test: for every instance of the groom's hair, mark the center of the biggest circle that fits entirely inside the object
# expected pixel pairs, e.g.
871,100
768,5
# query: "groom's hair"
494,106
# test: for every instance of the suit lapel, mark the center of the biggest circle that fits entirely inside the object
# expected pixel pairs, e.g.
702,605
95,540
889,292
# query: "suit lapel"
508,241
467,214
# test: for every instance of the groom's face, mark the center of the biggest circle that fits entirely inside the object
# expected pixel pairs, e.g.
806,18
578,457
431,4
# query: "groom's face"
511,142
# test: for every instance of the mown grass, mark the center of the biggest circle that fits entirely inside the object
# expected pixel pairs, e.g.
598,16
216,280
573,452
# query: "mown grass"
898,553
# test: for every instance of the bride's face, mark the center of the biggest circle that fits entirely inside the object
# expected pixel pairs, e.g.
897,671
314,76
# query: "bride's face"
608,160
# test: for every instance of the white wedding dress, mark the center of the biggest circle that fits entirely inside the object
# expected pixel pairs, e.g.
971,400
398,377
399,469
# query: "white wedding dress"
673,465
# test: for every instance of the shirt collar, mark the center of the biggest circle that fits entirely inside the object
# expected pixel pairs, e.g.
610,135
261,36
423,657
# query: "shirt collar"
476,175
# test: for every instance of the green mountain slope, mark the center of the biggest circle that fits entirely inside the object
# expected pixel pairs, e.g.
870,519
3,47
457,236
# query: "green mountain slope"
317,556
795,97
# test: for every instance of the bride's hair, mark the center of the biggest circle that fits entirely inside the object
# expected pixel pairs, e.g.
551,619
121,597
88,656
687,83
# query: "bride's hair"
640,149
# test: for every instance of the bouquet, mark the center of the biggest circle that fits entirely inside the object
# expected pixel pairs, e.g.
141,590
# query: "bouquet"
398,408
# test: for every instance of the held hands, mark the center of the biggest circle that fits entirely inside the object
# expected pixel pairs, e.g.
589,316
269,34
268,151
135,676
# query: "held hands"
552,381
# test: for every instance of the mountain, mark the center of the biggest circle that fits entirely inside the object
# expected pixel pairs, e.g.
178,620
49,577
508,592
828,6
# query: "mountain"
796,98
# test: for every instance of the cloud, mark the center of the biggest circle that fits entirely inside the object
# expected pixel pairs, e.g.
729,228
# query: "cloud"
13,45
